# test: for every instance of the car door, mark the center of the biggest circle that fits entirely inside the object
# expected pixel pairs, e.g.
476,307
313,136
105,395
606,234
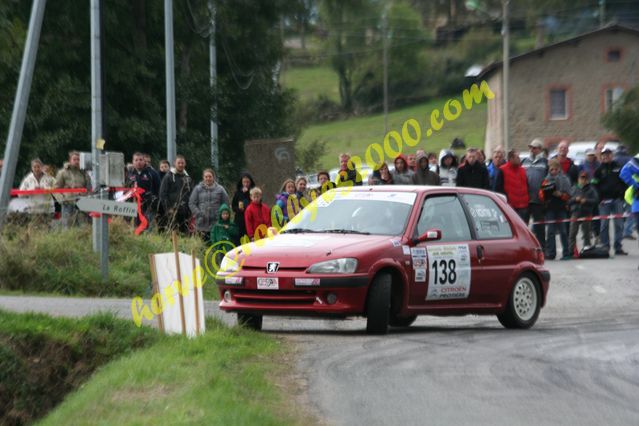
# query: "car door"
495,246
442,270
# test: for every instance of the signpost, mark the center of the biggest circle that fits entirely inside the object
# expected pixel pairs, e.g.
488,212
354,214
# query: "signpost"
107,207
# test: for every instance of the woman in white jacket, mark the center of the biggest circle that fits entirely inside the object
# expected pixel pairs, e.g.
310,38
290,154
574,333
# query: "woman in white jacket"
37,179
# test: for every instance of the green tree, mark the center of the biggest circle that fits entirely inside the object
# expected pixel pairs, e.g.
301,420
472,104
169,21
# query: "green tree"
622,118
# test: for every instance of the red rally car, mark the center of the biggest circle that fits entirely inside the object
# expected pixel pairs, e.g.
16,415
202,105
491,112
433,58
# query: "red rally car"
390,253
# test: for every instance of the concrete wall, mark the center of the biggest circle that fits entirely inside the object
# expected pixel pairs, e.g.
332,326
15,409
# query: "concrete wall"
580,67
270,161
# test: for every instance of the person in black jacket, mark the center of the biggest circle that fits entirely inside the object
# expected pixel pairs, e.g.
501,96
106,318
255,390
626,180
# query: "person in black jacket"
347,172
611,190
175,191
582,204
241,200
473,173
143,176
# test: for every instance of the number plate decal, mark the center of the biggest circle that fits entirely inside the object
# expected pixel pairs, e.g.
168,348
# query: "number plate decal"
267,283
448,272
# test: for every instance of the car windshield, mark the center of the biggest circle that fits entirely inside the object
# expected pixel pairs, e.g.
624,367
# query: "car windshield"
376,213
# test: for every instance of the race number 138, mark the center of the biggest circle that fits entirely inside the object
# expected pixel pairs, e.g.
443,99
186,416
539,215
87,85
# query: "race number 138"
448,272
444,271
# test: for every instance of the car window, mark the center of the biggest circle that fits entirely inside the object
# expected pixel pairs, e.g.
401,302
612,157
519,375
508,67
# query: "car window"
445,213
489,220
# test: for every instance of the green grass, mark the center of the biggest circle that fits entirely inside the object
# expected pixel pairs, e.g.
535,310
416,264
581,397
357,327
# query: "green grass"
312,82
223,377
43,358
37,260
356,134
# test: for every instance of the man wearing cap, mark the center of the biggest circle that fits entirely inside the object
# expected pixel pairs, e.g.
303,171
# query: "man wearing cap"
630,174
536,167
590,165
611,190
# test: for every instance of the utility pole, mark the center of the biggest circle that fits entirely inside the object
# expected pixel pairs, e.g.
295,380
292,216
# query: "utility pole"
170,81
101,224
215,161
505,32
385,60
20,106
602,12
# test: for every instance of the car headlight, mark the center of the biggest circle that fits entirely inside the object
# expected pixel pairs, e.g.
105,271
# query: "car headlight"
229,265
345,265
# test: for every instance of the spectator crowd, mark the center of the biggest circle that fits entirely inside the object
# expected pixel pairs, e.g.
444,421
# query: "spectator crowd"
556,195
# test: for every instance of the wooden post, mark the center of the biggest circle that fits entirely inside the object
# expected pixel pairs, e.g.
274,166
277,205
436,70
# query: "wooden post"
179,277
156,290
196,293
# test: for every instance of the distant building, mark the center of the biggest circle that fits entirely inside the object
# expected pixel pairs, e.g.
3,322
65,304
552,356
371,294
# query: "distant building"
561,91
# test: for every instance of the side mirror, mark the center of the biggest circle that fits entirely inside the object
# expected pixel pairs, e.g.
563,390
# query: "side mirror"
430,235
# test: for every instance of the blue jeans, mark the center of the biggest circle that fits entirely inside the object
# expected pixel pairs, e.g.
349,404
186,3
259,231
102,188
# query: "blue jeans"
608,207
551,244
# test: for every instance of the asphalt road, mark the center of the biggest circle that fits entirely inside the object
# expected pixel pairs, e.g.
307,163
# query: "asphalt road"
578,365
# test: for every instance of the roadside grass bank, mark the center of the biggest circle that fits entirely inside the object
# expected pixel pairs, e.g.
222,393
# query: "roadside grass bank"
354,135
226,376
61,261
42,358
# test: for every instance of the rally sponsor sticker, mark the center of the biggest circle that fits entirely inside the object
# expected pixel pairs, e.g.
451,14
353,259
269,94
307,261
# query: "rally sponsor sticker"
406,250
270,283
395,243
449,272
420,275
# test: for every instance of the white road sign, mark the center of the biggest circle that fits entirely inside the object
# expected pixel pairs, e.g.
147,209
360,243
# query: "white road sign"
107,207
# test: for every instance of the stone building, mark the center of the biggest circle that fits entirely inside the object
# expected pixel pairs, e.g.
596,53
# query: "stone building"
562,90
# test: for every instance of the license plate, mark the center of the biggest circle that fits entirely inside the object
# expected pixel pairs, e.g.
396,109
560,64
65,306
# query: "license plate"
267,283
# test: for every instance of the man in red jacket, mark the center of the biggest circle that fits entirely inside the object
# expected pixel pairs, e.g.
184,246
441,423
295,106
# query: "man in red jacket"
257,216
512,182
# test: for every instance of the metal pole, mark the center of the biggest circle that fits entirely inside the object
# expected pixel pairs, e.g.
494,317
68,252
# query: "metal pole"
170,81
215,161
100,225
385,44
506,77
602,12
20,106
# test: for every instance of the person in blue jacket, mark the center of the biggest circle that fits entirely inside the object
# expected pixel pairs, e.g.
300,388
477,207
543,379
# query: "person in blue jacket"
630,175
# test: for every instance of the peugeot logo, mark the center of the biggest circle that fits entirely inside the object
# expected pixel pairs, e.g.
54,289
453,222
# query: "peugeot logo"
272,267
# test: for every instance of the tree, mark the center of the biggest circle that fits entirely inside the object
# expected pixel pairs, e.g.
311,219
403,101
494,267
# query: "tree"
250,103
622,118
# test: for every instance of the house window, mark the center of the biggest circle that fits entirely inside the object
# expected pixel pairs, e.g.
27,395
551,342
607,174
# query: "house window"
558,104
613,55
612,95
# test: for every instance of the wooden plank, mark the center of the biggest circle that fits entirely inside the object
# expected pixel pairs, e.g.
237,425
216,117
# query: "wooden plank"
179,277
156,290
196,293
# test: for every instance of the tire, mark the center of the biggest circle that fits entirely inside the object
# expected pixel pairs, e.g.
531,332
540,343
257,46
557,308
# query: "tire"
378,305
395,321
254,322
524,303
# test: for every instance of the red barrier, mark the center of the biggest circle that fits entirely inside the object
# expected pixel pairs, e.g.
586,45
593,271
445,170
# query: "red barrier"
582,219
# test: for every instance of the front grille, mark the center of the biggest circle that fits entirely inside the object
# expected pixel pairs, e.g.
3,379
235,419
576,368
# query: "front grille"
280,297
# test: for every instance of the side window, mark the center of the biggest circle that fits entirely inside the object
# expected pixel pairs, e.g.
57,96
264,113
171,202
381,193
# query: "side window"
488,219
445,213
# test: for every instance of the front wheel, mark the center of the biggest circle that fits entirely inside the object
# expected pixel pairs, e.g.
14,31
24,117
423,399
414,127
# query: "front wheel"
524,304
378,305
254,322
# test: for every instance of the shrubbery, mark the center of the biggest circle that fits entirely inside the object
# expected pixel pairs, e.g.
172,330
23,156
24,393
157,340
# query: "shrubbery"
36,259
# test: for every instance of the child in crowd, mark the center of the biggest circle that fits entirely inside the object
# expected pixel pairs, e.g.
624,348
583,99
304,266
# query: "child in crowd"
224,235
256,215
582,204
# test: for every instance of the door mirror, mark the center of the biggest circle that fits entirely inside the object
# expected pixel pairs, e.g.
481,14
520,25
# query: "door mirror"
430,235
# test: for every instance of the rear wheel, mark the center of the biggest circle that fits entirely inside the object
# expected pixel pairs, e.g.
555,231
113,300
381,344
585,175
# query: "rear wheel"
378,305
396,321
524,303
251,321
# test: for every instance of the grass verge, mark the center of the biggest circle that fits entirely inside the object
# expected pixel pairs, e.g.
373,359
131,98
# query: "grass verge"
222,377
61,261
311,82
43,358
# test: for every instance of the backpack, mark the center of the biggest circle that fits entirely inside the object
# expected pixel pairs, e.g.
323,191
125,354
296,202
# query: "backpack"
594,252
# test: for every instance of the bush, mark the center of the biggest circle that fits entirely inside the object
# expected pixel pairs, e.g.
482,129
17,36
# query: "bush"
37,259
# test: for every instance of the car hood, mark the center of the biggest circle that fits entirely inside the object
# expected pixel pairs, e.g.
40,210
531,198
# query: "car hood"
303,250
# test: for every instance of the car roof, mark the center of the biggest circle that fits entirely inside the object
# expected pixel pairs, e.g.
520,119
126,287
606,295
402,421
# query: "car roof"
415,189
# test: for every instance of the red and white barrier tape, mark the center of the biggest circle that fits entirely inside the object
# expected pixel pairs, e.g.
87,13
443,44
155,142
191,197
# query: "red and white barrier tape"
582,219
